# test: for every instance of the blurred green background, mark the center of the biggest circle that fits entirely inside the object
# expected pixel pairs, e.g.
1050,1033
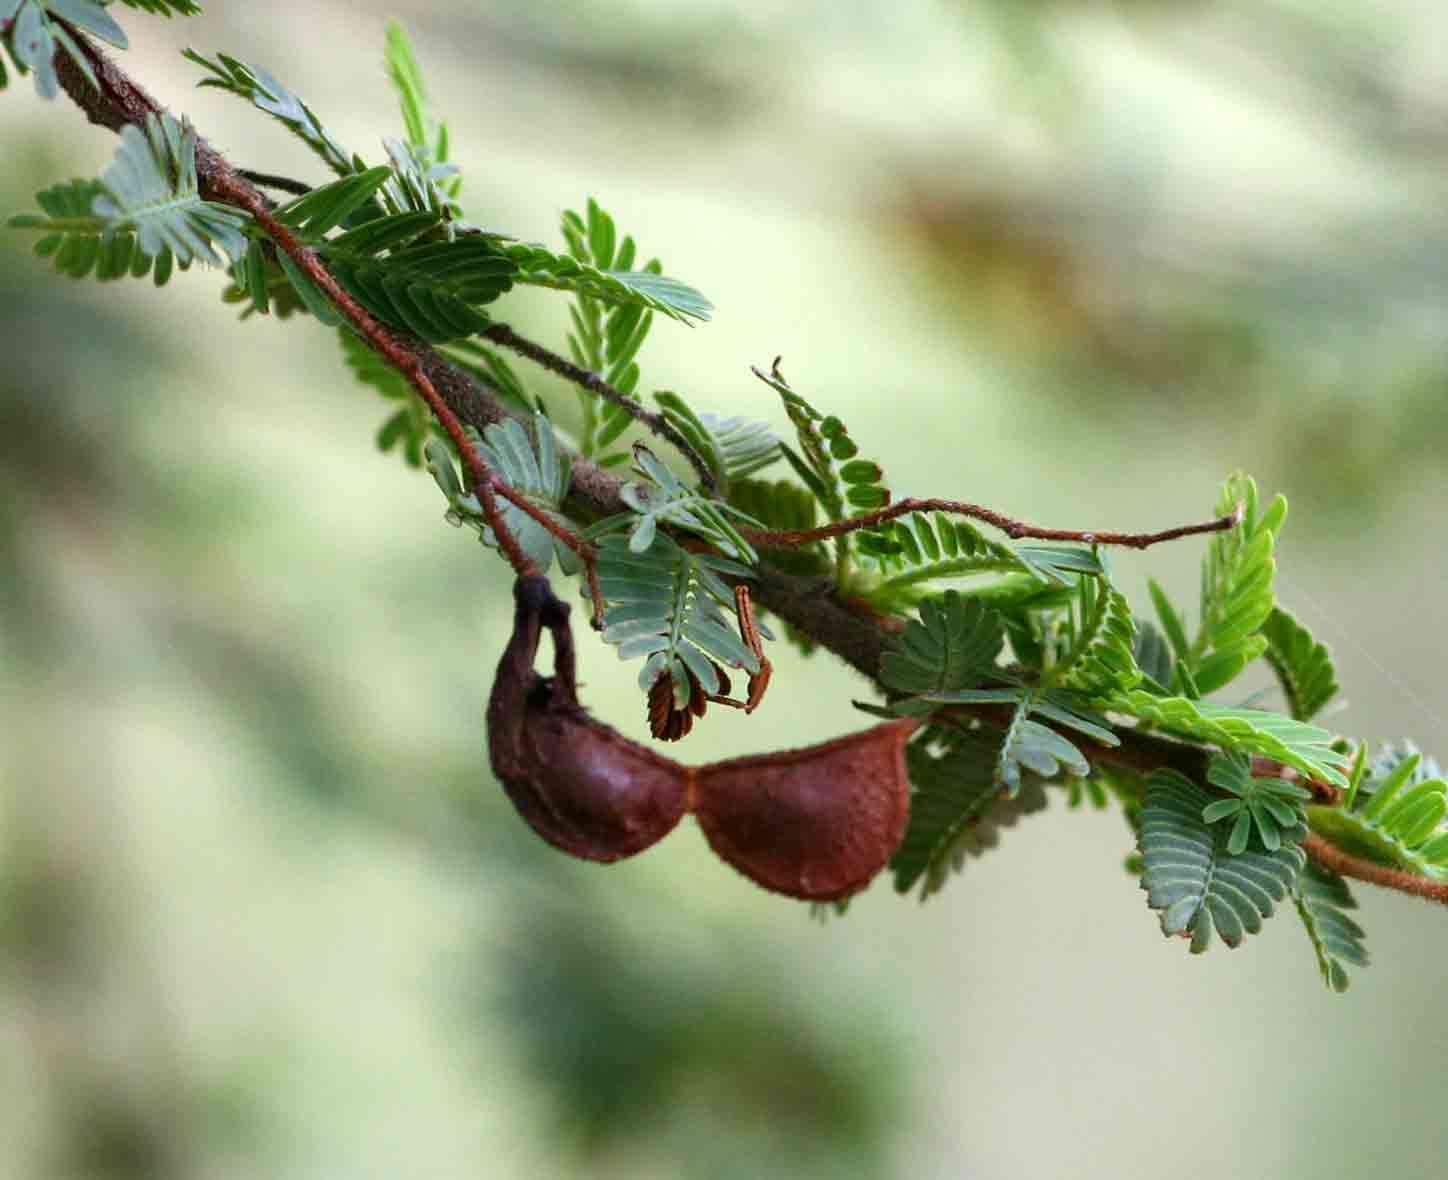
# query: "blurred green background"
262,909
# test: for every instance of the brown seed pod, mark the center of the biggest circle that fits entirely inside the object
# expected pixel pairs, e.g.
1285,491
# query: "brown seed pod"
816,823
580,785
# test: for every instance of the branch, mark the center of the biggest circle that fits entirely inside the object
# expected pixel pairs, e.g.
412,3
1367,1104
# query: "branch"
234,190
284,184
227,185
1015,529
1330,856
811,605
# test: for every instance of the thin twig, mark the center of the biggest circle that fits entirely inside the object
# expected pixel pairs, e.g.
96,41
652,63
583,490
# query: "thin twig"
284,184
1015,529
809,604
586,379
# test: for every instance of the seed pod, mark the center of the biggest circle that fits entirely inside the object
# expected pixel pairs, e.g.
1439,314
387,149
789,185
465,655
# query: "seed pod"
816,823
580,785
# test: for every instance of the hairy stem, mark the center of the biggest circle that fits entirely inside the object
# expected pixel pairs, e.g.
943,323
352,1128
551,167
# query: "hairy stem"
1344,864
852,633
283,184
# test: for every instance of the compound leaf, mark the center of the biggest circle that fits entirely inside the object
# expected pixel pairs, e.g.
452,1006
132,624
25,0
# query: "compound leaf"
1303,666
1197,886
1321,897
956,811
954,644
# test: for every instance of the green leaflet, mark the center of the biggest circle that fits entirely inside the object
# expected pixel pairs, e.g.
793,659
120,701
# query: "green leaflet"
815,464
431,288
954,644
90,249
146,200
1303,666
1100,635
783,505
1272,806
1321,896
605,339
532,466
921,548
613,310
673,607
1153,655
1030,746
424,132
956,812
329,205
1397,820
1190,877
1391,759
1171,622
396,265
829,465
264,92
150,187
427,141
32,38
166,8
1237,595
734,448
660,497
540,267
418,185
1248,731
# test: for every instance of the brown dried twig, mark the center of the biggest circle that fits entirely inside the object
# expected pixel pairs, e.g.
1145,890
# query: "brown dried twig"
1015,529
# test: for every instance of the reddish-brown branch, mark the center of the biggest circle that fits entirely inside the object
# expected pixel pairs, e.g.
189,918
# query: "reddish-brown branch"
225,184
234,190
808,604
1330,856
1015,529
586,379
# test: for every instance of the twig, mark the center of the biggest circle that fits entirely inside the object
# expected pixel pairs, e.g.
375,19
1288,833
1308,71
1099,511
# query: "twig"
1015,529
284,184
584,378
809,604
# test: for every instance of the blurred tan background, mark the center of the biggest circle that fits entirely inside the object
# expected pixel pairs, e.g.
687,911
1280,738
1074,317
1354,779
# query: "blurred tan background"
263,911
